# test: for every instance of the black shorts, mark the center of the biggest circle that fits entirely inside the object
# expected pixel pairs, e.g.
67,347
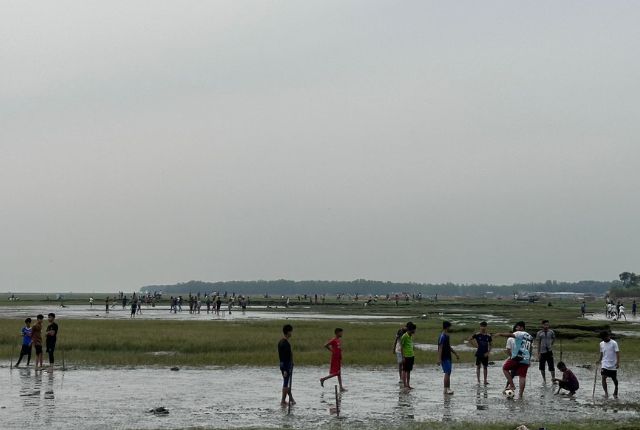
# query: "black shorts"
38,349
26,350
546,357
407,364
482,360
608,373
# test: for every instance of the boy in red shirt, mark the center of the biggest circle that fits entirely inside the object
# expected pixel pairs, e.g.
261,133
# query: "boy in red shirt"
335,346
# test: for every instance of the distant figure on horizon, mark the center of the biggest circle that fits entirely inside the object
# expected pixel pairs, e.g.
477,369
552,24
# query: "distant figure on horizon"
634,308
91,302
106,304
583,309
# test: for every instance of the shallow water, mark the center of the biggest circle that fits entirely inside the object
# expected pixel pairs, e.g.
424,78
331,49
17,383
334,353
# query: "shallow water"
118,398
162,313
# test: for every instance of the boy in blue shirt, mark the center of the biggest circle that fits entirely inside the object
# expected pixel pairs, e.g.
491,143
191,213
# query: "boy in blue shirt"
26,342
482,341
444,356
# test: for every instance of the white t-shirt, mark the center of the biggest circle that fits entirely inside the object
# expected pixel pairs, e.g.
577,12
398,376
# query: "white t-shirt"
621,309
511,343
608,350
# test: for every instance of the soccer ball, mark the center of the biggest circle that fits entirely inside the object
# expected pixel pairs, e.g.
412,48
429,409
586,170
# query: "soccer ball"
509,394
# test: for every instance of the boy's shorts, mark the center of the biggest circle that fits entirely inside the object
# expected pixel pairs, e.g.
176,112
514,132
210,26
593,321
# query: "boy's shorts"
286,379
399,357
547,357
520,369
26,350
482,360
447,366
38,349
609,373
407,364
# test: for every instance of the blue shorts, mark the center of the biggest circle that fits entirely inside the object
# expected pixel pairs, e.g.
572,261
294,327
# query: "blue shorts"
286,379
447,366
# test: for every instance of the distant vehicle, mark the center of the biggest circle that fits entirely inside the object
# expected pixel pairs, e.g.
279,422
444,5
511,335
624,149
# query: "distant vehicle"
531,298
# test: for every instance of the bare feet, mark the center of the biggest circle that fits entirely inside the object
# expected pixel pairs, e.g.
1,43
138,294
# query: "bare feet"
322,382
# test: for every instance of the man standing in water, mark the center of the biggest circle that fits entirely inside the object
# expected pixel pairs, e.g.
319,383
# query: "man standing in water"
610,362
106,304
544,341
52,336
482,341
286,364
444,356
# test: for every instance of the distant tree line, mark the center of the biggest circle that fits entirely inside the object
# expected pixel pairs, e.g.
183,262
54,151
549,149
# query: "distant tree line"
366,287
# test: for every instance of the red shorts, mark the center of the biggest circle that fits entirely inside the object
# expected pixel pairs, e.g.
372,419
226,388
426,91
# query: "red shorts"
335,367
520,369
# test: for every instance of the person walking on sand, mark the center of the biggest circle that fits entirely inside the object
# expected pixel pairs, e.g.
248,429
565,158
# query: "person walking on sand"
545,338
286,364
36,339
482,341
610,362
335,347
406,346
397,350
444,356
520,357
26,342
51,337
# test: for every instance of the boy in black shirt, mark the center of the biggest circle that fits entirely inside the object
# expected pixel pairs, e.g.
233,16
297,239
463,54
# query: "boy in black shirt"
52,334
286,364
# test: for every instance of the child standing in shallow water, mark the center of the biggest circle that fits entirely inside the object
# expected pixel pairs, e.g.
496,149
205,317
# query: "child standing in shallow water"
406,347
444,356
26,342
335,347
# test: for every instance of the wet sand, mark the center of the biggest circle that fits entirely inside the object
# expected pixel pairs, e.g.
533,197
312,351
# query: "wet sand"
118,398
162,313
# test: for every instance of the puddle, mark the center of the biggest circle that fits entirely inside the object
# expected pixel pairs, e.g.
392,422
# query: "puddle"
162,313
248,397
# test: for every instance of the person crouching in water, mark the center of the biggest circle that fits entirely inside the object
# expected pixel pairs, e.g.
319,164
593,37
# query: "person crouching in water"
568,382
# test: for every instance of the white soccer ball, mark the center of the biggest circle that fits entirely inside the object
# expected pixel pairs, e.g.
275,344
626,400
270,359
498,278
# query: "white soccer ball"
509,394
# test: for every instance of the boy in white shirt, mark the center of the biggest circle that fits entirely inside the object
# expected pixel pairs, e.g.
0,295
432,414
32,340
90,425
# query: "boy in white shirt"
610,362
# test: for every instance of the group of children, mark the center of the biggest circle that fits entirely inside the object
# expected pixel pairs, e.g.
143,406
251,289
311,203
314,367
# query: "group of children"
519,349
32,339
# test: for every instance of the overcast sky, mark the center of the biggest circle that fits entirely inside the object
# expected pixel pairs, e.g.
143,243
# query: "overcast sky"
146,142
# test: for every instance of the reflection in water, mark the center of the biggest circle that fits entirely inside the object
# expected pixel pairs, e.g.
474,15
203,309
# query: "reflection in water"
446,409
482,398
405,405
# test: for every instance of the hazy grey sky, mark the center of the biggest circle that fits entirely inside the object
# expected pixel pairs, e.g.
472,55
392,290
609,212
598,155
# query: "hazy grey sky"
159,141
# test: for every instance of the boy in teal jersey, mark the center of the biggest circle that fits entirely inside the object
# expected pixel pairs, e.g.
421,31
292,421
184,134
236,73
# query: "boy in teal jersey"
520,357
